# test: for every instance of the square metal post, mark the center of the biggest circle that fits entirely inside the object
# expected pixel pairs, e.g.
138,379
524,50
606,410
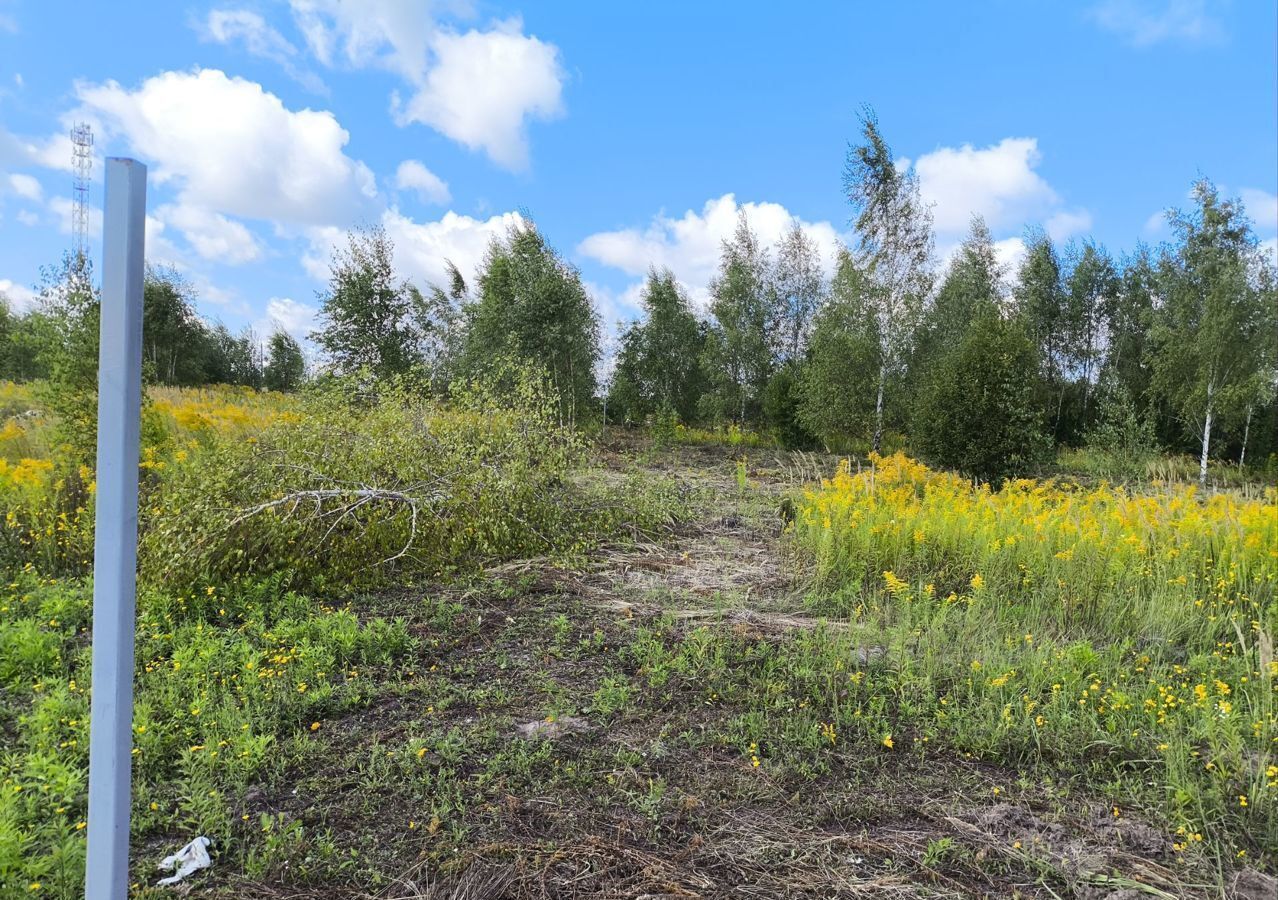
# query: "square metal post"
115,545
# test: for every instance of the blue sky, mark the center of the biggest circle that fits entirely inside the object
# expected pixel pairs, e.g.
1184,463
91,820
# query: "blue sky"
631,132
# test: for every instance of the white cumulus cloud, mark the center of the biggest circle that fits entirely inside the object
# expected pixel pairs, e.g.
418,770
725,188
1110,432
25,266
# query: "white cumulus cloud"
480,87
996,182
292,316
690,245
20,297
414,176
26,187
231,147
1262,207
1001,184
1143,23
259,38
212,235
484,88
422,249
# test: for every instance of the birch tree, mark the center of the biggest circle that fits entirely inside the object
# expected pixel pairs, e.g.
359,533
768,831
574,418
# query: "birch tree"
1091,288
800,288
1040,295
1209,334
894,248
739,350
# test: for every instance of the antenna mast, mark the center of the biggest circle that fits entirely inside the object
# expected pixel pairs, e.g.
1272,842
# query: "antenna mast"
82,166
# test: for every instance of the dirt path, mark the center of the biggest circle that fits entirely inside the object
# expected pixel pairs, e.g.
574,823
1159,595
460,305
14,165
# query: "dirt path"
556,766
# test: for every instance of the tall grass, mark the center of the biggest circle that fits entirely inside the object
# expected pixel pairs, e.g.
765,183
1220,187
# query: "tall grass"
1127,633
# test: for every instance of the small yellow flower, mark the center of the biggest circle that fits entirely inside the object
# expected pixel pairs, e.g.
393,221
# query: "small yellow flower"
887,741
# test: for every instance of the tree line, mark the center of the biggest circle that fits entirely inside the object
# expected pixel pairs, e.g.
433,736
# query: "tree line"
178,346
980,369
976,368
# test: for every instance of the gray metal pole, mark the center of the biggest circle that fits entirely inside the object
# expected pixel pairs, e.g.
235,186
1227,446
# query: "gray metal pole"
115,547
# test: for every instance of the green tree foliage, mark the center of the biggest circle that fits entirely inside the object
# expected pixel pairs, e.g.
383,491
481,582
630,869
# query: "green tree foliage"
977,411
1092,286
659,360
1041,299
234,358
738,355
973,285
894,247
19,344
441,327
800,291
781,402
1209,337
177,347
1128,317
368,317
836,384
285,365
532,305
976,407
1121,432
67,328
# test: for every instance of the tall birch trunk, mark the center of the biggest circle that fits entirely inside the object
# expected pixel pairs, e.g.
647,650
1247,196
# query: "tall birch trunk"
1242,456
1202,461
878,412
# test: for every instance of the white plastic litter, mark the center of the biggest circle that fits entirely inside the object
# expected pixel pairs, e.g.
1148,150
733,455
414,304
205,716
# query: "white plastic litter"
191,858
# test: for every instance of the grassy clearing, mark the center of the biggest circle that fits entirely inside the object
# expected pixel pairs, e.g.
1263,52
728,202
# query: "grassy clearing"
1127,636
248,637
633,680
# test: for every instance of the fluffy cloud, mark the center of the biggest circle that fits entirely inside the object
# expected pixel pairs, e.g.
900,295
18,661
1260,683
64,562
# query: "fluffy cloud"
1065,224
26,187
996,182
1146,22
53,152
1010,252
1156,223
61,208
391,34
413,176
999,183
213,236
233,148
297,318
690,244
485,86
20,297
422,249
159,249
1262,206
259,38
480,87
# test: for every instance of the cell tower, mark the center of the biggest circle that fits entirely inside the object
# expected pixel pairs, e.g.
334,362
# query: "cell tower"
82,166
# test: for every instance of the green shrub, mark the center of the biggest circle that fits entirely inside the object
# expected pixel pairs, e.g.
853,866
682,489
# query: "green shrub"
354,487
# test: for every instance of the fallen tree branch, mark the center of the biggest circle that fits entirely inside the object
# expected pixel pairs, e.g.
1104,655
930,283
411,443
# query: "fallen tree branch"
353,500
